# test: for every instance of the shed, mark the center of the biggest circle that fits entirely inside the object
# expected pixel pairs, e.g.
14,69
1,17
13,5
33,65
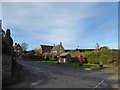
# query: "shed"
64,58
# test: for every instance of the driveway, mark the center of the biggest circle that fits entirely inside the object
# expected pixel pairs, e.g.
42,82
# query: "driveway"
46,75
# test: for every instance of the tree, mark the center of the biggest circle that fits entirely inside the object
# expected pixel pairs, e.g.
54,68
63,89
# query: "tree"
24,46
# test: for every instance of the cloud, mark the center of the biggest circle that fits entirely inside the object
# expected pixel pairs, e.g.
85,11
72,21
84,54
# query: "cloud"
60,0
0,11
49,22
52,22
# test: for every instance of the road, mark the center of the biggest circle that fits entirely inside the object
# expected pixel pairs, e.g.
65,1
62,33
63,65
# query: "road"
46,75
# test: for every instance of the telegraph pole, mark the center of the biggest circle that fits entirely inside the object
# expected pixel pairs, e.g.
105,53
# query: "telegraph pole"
97,46
78,50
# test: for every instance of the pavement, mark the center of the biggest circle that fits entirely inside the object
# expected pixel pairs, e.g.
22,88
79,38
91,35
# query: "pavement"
49,75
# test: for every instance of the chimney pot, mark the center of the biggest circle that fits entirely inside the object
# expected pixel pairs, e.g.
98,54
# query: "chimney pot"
60,43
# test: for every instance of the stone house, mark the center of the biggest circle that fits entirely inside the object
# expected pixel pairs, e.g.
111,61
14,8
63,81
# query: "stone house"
57,50
45,50
51,51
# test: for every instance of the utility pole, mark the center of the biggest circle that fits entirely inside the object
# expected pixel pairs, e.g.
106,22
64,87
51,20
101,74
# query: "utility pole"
97,46
78,50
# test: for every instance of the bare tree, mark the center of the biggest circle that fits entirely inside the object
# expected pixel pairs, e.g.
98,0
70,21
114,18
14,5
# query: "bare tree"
24,46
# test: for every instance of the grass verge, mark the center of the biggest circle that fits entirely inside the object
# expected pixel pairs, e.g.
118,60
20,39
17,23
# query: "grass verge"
105,67
47,61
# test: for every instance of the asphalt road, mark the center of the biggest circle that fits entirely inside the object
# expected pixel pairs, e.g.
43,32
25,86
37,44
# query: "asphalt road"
45,75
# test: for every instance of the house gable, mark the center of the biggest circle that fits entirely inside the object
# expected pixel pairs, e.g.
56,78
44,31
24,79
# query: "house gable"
58,49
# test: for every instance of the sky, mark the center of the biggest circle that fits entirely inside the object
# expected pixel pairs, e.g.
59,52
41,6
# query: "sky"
74,24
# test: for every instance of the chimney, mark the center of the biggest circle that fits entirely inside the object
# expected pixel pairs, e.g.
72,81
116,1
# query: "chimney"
15,43
60,43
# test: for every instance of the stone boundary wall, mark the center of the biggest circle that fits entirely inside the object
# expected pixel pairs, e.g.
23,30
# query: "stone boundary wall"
6,66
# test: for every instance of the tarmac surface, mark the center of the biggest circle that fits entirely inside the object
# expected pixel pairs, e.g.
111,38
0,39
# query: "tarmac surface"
49,75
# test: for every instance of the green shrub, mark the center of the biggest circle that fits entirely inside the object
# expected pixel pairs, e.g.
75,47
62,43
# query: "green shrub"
113,56
103,56
104,50
93,58
103,59
86,54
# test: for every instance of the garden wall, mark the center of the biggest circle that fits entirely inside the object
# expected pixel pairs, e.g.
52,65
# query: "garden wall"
6,66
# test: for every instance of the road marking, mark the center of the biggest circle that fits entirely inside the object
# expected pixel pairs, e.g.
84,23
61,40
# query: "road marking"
99,84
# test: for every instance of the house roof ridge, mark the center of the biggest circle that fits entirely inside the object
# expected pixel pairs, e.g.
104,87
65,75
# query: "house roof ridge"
46,45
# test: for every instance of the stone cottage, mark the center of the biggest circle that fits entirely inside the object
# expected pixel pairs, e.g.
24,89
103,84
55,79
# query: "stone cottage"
57,50
45,50
51,51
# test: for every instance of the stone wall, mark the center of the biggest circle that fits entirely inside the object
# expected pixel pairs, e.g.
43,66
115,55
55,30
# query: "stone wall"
6,66
0,70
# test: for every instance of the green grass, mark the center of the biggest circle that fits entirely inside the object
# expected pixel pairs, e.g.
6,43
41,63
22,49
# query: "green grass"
91,65
105,67
47,61
71,64
15,77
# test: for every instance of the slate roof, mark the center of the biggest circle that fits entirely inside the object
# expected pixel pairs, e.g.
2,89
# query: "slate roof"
57,47
46,48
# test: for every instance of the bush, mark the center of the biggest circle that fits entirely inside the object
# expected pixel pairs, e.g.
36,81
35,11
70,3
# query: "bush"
86,54
113,56
74,59
103,56
104,50
93,58
103,59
